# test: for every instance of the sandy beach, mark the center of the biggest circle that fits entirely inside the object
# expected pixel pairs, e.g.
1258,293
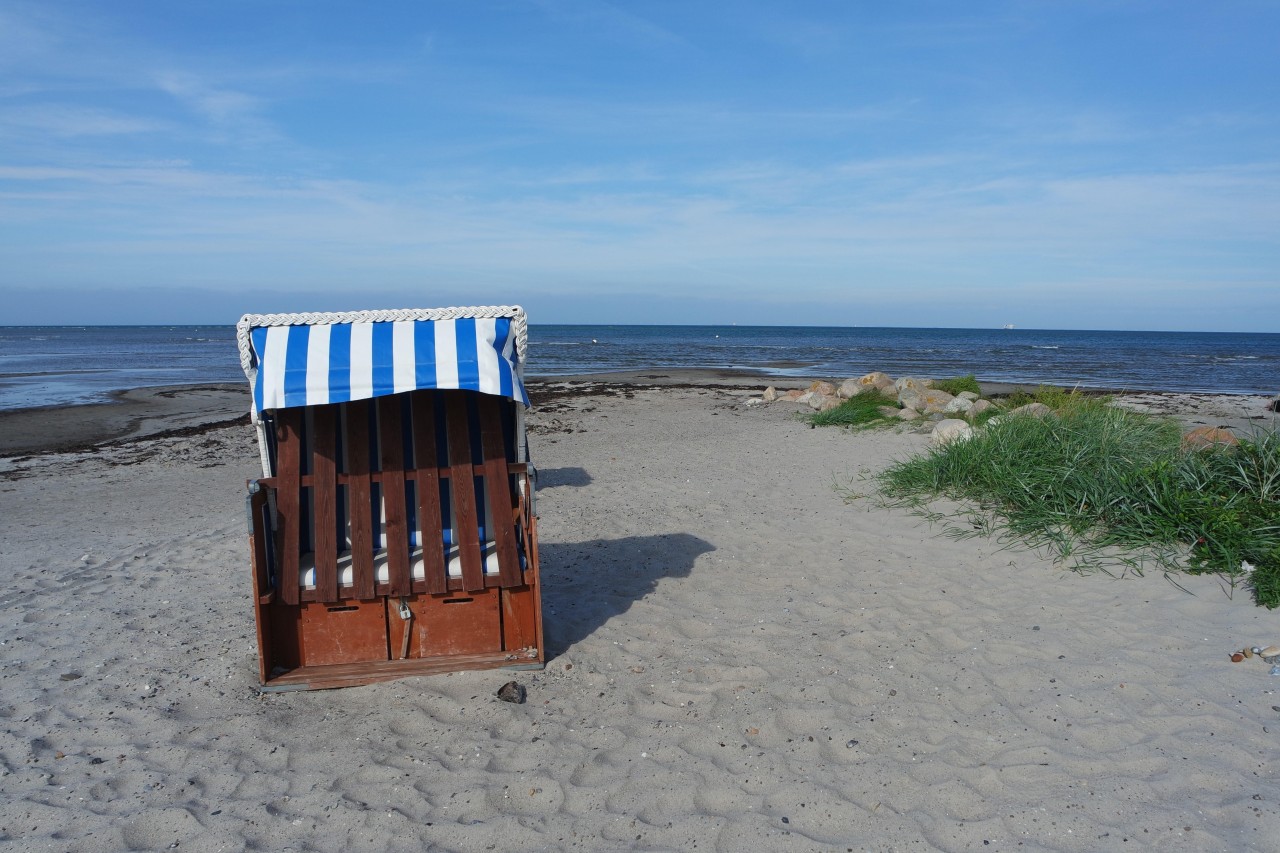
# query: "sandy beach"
739,659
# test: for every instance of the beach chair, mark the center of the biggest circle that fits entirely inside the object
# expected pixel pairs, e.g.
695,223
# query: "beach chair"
392,533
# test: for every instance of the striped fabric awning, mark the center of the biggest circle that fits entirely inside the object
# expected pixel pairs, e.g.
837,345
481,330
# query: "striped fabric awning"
308,360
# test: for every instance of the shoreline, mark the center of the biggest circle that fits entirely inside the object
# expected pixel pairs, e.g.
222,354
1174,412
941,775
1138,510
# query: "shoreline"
171,410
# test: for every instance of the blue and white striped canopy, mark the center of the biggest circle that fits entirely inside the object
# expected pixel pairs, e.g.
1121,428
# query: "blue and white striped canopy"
336,362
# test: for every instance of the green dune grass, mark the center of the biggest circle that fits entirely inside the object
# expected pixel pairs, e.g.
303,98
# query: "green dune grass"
1100,486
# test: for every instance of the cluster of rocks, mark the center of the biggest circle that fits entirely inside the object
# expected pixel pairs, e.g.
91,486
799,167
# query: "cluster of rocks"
946,416
917,399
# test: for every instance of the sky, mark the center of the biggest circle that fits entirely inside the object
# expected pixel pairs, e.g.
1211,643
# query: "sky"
1086,164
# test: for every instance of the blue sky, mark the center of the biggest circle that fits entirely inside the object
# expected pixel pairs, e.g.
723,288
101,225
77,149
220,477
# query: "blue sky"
1079,164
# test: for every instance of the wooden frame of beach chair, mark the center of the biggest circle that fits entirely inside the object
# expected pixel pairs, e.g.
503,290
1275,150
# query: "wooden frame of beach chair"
394,532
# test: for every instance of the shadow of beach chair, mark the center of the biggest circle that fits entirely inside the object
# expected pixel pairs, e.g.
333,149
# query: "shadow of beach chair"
393,532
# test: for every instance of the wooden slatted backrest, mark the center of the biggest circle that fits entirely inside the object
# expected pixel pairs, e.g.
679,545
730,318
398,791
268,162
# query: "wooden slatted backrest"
399,452
324,501
498,490
427,491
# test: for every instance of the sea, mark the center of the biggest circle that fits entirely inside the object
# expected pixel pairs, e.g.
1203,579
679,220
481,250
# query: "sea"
68,365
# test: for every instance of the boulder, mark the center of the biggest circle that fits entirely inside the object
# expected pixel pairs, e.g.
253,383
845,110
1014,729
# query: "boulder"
753,402
770,394
893,411
958,406
907,414
826,389
951,430
1204,437
935,400
980,406
913,383
822,402
1035,410
911,398
792,396
968,395
852,388
875,379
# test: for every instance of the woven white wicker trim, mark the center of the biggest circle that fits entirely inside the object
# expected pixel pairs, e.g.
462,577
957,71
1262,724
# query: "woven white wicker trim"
258,321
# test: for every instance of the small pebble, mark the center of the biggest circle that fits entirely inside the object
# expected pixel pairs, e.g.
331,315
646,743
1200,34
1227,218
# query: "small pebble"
512,691
850,744
69,676
1035,627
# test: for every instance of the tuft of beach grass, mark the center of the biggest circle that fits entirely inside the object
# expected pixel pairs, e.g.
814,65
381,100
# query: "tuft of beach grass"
860,411
1094,484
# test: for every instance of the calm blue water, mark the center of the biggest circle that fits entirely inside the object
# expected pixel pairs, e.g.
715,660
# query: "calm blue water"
62,365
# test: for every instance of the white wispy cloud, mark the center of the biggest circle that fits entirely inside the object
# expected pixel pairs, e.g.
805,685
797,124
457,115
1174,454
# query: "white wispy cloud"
76,120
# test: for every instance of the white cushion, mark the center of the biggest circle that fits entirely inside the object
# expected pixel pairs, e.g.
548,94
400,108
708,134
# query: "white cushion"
382,568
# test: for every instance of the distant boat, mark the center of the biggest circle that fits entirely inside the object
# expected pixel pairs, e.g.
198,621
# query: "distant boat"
1007,326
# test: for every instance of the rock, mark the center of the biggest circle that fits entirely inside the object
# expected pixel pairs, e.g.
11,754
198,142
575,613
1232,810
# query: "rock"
805,397
935,401
980,406
1035,410
793,395
512,691
822,402
852,388
753,402
907,414
951,430
770,394
875,379
1274,405
1205,437
913,383
968,395
826,389
958,406
911,399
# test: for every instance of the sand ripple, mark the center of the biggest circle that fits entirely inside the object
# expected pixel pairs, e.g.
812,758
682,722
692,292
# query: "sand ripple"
740,662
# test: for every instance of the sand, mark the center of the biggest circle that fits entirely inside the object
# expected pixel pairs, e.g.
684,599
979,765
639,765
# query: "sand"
739,660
